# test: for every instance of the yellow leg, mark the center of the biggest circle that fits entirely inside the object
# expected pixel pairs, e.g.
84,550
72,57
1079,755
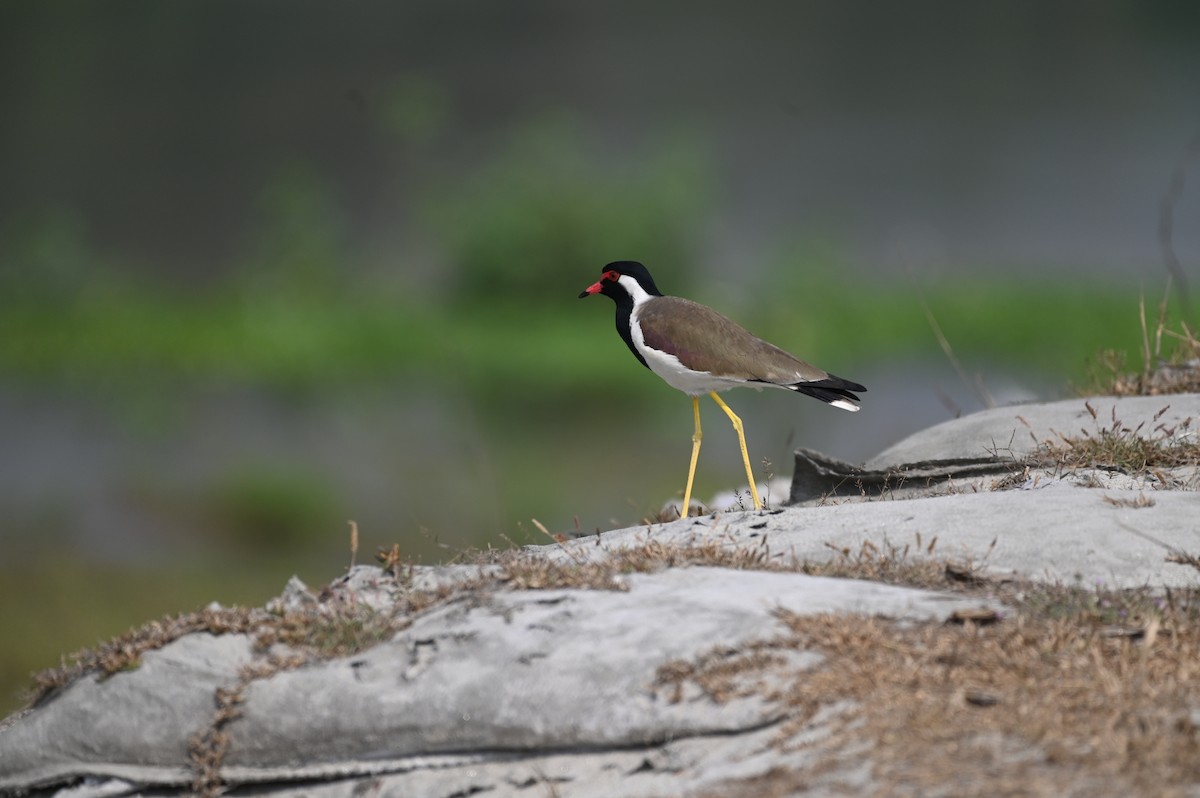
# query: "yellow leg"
696,436
737,426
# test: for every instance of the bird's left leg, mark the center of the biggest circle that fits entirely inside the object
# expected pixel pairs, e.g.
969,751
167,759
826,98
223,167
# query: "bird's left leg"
737,426
696,436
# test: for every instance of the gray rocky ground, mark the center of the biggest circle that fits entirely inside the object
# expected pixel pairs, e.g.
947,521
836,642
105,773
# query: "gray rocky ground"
568,671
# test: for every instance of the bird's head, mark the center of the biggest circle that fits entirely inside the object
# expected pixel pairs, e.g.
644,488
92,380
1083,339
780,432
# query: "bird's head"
623,280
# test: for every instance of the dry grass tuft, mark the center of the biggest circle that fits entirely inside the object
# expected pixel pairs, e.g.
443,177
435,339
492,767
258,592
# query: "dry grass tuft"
1184,558
721,674
653,555
1175,371
536,573
916,564
1117,447
326,635
1054,701
125,652
1136,503
207,749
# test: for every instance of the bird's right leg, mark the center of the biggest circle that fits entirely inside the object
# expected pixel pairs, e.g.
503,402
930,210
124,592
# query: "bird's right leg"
696,436
739,429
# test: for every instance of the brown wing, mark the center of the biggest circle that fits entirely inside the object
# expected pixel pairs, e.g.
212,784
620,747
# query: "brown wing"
704,340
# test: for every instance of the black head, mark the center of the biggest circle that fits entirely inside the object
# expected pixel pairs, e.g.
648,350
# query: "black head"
609,283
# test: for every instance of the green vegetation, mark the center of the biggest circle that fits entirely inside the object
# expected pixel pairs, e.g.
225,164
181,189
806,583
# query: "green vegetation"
1114,446
133,336
526,226
495,310
265,506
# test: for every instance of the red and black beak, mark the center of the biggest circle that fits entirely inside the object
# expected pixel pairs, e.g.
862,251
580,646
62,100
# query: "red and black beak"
598,286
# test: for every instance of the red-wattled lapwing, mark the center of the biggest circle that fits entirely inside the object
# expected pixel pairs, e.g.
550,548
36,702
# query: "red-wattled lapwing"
698,351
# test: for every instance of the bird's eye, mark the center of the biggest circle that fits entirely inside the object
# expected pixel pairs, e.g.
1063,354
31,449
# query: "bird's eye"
611,275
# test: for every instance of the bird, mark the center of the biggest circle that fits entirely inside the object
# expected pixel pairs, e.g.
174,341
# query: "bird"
695,349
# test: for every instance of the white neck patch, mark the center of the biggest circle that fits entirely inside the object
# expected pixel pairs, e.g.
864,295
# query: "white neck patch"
634,289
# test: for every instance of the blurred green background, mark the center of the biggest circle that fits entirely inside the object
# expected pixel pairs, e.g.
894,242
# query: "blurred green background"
266,267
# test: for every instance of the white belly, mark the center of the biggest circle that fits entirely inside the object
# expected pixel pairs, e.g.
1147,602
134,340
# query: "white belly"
677,375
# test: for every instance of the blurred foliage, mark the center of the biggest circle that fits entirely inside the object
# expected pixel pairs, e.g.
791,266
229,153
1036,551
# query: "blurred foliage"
268,505
303,338
522,235
45,258
414,109
298,255
527,223
1055,327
